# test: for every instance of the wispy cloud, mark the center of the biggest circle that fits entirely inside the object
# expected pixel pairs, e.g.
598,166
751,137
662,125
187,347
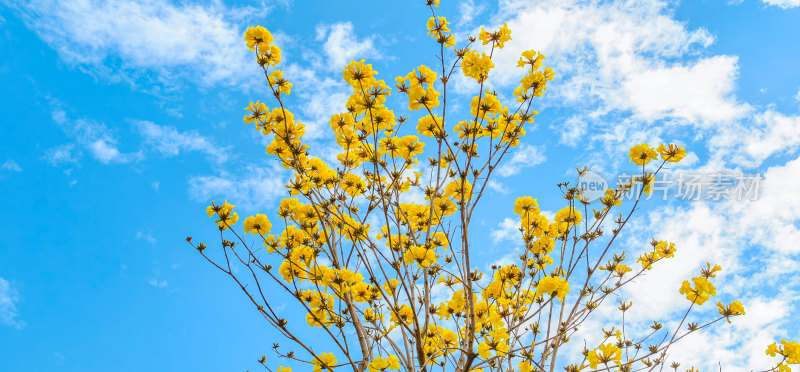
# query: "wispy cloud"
638,74
754,241
158,283
169,141
704,93
322,96
508,230
784,4
755,139
468,11
341,44
11,165
100,141
146,237
63,154
94,137
252,188
127,40
9,298
523,156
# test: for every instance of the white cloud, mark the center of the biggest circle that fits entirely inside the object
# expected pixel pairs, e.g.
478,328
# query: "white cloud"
95,137
321,95
155,185
757,138
508,229
61,155
124,39
341,45
252,188
697,92
9,298
158,283
636,72
468,10
106,152
755,242
783,4
639,75
597,48
497,187
146,237
11,165
523,156
168,141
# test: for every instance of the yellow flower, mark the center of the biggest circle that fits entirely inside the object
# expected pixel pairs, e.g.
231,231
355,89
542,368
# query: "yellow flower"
553,284
531,57
430,126
257,37
621,269
498,37
610,199
604,354
525,367
642,154
647,260
665,249
404,315
421,255
476,66
276,79
359,75
673,153
488,104
324,361
733,309
226,216
790,350
526,204
353,184
258,111
257,225
372,316
484,350
381,364
390,286
648,180
437,26
701,291
569,216
270,56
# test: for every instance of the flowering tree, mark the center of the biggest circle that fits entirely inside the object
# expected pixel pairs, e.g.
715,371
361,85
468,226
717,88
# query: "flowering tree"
388,278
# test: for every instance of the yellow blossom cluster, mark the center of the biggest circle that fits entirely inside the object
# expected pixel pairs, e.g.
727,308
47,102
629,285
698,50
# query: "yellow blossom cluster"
374,241
223,213
661,249
702,289
497,38
437,29
789,351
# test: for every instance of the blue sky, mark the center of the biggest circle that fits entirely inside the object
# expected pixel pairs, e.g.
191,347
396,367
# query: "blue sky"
121,121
